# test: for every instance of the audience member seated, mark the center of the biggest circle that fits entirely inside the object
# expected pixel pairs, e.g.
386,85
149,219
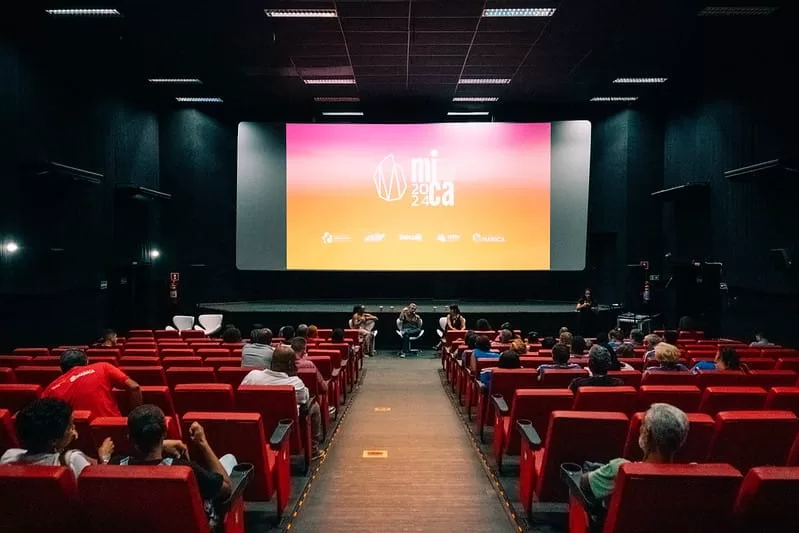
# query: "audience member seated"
89,387
547,343
615,338
147,433
670,336
504,337
532,337
302,331
258,352
108,340
337,336
664,430
761,340
300,348
566,339
283,371
578,346
231,335
287,333
563,330
482,325
598,364
668,356
625,349
45,428
313,332
518,346
636,338
482,348
508,359
560,360
726,359
602,340
650,341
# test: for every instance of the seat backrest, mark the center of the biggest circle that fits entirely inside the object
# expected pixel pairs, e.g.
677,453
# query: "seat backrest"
556,378
772,378
185,374
636,362
241,434
13,361
746,439
534,361
169,362
669,378
308,377
688,486
630,378
161,334
536,405
611,399
116,427
203,397
7,375
507,381
140,352
35,352
274,403
352,334
210,322
212,352
45,360
442,323
716,399
37,375
181,322
758,363
787,363
342,347
8,436
145,375
783,399
140,333
685,397
136,360
722,378
766,499
216,362
323,364
574,437
169,351
16,396
143,498
38,499
232,375
693,451
333,354
192,334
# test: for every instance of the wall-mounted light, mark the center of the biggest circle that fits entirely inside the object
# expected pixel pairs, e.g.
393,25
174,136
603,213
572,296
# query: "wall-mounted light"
11,247
155,253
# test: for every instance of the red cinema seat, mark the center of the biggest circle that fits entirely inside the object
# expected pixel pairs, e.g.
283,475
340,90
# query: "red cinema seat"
669,378
504,382
216,362
573,437
777,352
531,405
693,451
149,498
155,394
139,344
104,359
39,499
187,334
747,353
45,360
7,376
560,379
140,333
207,352
275,404
688,486
758,363
186,374
766,499
242,434
233,375
231,345
783,363
746,439
145,375
683,397
8,436
176,352
608,399
140,352
116,427
722,378
636,362
13,361
717,399
325,367
308,377
34,352
127,361
772,378
630,378
338,360
104,352
783,399
534,362
203,397
84,442
169,362
16,396
166,334
37,375
351,335
793,455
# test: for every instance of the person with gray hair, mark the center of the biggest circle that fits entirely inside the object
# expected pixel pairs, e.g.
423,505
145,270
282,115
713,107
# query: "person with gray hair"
599,361
650,341
663,432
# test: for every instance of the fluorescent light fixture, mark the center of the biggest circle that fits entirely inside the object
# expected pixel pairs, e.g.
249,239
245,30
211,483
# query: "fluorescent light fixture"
329,81
336,99
475,99
614,98
467,114
737,11
520,12
11,247
484,81
640,80
343,113
300,13
176,81
199,100
155,253
83,12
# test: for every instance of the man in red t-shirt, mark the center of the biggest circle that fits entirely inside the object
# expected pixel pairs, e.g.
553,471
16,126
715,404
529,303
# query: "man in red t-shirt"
89,387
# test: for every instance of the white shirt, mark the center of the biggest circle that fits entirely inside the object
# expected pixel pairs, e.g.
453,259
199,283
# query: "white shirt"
270,377
73,459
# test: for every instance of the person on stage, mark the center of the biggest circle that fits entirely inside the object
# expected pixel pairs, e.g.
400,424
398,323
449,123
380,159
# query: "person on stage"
410,326
455,319
365,324
585,306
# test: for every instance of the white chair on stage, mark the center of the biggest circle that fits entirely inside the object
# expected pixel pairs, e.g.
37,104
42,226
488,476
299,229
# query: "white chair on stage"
181,323
373,333
415,337
442,326
209,324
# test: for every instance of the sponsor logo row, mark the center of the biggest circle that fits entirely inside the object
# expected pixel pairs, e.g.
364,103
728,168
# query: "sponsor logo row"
338,238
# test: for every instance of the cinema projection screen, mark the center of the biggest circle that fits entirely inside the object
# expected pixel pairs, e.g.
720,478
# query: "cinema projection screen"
420,197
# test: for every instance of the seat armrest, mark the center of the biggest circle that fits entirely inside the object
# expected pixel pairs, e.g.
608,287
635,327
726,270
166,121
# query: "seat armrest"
239,479
335,372
572,475
500,404
281,433
529,434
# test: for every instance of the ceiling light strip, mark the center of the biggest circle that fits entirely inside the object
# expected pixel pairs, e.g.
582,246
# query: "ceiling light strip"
301,13
199,99
467,114
343,113
737,11
520,12
336,99
644,80
96,12
614,98
329,81
484,81
186,81
475,99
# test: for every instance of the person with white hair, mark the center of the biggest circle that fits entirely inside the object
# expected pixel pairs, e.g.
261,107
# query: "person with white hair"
663,432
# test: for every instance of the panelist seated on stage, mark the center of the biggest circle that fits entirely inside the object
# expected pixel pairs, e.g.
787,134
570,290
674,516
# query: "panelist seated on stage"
455,320
410,326
560,360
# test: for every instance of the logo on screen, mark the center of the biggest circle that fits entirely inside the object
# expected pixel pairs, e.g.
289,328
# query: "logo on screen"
426,189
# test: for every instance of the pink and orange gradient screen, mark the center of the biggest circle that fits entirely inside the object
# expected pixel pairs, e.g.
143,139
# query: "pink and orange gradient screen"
456,196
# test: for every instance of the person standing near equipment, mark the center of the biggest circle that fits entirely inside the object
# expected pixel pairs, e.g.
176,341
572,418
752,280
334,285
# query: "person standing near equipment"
585,306
410,326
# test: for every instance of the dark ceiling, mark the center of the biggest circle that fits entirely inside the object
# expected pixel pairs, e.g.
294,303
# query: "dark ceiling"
404,52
